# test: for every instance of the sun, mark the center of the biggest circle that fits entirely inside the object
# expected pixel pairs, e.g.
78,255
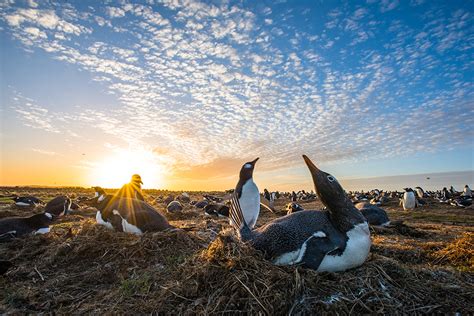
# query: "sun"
117,169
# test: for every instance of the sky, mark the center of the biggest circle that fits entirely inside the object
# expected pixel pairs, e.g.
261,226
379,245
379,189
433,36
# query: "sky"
185,92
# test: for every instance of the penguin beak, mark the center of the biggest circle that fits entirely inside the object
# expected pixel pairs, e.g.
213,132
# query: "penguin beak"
253,162
311,166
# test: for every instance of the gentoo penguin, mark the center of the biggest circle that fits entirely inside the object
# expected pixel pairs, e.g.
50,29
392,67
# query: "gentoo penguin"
201,204
375,215
11,227
408,201
132,190
419,192
248,194
174,207
59,206
467,191
220,210
293,207
334,240
26,201
128,215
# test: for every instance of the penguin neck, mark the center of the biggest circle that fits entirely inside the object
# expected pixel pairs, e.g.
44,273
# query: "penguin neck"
345,216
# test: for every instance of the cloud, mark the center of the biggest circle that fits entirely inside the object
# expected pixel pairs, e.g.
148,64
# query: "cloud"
212,85
44,152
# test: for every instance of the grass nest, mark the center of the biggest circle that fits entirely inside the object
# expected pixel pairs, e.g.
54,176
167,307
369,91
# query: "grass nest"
459,253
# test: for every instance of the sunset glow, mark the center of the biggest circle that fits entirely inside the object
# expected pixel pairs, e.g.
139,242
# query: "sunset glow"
118,168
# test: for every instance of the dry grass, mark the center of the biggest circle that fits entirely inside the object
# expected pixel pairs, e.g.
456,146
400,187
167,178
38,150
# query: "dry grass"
80,267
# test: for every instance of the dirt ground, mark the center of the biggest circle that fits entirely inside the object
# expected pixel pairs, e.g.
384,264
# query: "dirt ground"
424,265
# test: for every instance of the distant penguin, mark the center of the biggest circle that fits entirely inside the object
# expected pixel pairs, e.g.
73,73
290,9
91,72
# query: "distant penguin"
248,194
59,206
168,199
12,227
375,215
334,240
26,201
184,198
409,200
128,215
220,210
419,192
294,197
467,191
174,207
201,204
293,207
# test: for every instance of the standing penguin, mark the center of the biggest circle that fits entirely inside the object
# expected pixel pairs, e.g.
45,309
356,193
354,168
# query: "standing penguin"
248,194
419,192
334,240
132,190
408,201
467,191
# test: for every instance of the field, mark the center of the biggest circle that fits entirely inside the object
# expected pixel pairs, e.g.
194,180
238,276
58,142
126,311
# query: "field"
423,265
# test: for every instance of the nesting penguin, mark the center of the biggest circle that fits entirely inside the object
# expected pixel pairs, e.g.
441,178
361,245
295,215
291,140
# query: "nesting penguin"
375,215
248,195
333,240
293,207
59,206
12,227
217,209
128,215
409,200
26,201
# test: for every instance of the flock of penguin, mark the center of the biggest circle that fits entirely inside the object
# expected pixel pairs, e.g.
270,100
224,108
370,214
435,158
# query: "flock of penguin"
336,238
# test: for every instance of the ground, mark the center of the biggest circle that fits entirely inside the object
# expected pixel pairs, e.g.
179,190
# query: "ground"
423,265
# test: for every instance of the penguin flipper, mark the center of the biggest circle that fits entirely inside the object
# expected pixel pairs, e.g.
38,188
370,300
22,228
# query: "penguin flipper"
316,250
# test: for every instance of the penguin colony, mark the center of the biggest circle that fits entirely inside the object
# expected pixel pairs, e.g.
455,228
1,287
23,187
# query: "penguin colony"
334,239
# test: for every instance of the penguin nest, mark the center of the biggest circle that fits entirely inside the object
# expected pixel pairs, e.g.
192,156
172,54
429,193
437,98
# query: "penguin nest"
459,253
81,267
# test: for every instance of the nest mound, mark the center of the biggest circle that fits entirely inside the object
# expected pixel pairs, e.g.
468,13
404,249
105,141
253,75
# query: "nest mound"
459,252
81,267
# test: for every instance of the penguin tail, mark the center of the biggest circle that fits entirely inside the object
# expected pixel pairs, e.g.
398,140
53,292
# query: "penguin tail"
237,219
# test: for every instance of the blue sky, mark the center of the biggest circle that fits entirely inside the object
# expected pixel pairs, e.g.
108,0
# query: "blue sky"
364,88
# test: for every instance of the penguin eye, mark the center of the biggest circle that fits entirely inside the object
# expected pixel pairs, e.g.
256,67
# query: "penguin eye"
331,178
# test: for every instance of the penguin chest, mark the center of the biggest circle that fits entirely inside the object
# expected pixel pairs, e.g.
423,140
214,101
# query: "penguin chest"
100,221
409,201
250,203
41,231
128,227
356,251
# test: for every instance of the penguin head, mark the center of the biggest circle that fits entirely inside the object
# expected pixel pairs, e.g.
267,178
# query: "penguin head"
247,170
136,179
327,187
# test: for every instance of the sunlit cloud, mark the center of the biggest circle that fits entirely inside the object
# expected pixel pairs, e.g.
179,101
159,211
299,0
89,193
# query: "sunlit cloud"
208,85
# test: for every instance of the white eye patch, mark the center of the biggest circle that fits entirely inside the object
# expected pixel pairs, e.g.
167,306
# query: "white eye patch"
247,166
331,178
48,215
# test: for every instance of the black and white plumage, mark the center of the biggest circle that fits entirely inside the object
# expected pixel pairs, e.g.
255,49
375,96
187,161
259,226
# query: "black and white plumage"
248,194
12,227
293,207
408,201
59,206
128,215
26,201
216,209
334,240
375,215
174,206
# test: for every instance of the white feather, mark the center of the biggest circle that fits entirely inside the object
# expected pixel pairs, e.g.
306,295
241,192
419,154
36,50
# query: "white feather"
409,201
356,251
294,257
42,231
250,202
100,221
